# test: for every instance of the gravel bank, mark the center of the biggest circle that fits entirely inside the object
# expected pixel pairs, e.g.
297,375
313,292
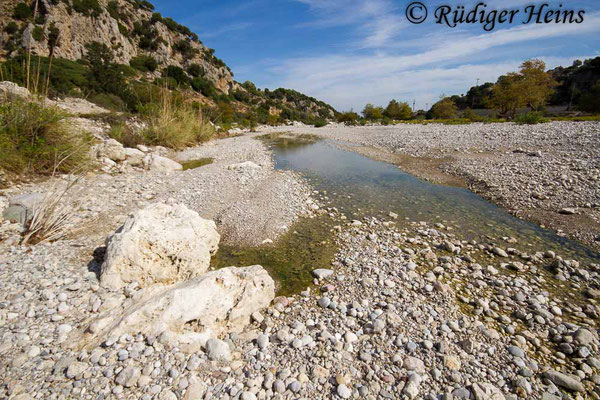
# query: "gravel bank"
547,173
240,191
409,313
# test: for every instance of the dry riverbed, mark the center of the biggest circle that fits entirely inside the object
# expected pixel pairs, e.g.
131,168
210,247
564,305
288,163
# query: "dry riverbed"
403,310
547,173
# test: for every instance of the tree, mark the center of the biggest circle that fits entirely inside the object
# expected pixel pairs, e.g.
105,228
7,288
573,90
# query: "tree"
444,109
397,111
506,95
104,74
348,117
536,84
373,113
531,87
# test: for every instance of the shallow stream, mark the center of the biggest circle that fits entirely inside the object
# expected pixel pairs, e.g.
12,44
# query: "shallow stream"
359,186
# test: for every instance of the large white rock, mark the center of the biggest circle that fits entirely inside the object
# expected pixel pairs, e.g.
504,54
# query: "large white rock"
191,312
134,156
10,91
159,244
113,150
154,162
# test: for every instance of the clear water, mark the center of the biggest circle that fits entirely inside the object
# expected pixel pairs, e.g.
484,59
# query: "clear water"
360,186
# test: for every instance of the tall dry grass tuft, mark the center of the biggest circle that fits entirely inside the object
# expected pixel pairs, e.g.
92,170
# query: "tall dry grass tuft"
35,138
175,123
52,216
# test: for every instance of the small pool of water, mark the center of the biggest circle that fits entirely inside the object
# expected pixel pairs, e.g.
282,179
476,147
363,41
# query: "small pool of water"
193,164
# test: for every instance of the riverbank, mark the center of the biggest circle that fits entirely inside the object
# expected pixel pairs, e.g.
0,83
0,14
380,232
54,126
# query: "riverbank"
403,310
546,173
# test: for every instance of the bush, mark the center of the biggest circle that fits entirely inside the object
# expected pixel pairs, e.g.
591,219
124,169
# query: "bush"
11,27
530,118
398,111
348,118
590,101
89,8
122,133
174,123
444,109
37,139
38,33
22,12
144,63
176,73
320,123
195,70
373,113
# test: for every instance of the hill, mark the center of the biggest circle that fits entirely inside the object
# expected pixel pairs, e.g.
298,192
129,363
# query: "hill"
138,48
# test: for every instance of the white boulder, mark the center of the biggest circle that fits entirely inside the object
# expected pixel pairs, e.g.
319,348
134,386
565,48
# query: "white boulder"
190,313
113,150
159,244
134,156
10,91
154,162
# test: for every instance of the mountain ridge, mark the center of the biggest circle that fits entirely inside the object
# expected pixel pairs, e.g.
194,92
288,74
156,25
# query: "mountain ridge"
137,35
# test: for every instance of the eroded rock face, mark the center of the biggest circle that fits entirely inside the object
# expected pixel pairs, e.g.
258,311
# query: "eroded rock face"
160,244
190,312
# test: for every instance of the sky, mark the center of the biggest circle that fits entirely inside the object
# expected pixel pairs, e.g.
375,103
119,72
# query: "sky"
352,52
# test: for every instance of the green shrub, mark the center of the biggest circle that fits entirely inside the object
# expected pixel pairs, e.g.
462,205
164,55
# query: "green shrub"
22,12
373,113
89,8
320,123
176,73
397,111
11,28
144,63
122,133
195,70
530,118
204,86
38,33
109,101
348,118
38,139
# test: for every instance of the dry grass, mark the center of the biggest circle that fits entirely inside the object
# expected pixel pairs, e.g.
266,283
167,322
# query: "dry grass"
52,216
175,123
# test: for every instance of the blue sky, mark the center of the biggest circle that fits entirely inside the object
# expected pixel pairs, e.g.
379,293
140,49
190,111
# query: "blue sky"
350,52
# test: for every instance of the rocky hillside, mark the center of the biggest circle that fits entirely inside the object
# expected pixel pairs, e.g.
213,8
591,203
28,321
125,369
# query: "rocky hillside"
147,45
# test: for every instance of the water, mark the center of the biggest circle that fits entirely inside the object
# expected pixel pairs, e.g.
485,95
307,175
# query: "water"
360,186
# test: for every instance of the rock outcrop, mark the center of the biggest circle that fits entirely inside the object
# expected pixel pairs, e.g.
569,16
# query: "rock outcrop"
159,244
190,312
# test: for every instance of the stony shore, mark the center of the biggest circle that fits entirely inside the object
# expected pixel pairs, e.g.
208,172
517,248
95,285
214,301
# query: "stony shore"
405,310
547,173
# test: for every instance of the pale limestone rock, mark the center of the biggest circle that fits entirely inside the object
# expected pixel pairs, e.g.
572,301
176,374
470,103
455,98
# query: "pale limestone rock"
154,162
134,156
159,244
11,91
113,150
191,312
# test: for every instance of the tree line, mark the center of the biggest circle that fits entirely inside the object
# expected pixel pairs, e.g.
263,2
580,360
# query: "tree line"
531,88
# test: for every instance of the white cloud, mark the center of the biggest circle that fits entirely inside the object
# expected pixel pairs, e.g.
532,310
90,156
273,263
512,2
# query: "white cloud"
451,66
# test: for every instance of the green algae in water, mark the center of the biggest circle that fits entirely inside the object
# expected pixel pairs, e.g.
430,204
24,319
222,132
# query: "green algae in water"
308,245
193,164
